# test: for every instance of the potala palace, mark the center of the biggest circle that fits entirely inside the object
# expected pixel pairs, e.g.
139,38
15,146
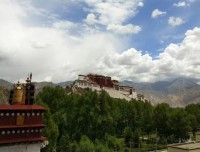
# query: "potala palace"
112,87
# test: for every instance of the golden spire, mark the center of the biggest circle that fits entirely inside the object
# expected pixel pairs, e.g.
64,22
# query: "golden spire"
18,86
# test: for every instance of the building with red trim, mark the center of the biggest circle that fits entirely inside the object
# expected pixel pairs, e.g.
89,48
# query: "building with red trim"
112,87
21,122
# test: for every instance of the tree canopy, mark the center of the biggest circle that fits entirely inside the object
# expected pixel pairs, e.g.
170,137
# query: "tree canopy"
93,121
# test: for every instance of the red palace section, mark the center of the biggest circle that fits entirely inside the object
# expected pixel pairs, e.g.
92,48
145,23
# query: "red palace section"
21,123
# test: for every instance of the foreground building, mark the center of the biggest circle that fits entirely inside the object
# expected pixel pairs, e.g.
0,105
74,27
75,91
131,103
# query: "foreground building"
112,87
21,121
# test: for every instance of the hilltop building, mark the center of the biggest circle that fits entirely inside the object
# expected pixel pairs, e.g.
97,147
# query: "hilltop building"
21,121
112,87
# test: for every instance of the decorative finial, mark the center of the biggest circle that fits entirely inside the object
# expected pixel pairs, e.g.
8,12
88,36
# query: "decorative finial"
28,79
18,85
31,76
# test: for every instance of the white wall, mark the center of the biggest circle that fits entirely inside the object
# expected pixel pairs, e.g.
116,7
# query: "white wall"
134,95
198,137
81,77
21,148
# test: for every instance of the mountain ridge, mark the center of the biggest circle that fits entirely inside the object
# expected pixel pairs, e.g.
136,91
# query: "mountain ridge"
178,92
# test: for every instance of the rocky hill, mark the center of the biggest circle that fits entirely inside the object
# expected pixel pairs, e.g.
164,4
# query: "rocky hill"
66,83
6,84
178,92
4,93
40,85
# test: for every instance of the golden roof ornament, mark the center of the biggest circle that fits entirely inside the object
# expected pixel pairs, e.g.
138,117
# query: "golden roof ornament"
18,86
23,93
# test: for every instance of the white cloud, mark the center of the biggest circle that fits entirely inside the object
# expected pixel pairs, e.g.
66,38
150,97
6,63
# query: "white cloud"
156,13
111,12
182,59
180,4
175,21
184,3
49,52
53,54
64,25
130,64
177,60
140,4
124,29
91,19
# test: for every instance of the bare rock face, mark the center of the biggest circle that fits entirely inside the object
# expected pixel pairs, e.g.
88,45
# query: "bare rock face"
40,85
4,93
179,92
6,84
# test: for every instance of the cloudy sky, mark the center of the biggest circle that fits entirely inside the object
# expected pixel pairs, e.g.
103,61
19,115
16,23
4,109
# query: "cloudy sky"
139,40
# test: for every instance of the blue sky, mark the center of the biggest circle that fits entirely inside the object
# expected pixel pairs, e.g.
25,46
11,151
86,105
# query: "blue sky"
139,40
155,35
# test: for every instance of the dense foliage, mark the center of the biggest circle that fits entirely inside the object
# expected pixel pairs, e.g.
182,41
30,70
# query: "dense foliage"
96,122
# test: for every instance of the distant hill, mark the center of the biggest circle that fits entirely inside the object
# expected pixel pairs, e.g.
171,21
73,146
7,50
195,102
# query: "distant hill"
40,85
5,84
179,92
4,93
64,84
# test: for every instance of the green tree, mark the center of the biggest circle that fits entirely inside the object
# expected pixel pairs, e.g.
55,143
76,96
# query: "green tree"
194,113
147,119
180,123
101,147
162,119
128,136
136,138
53,97
63,143
193,124
50,131
194,109
91,121
85,145
113,143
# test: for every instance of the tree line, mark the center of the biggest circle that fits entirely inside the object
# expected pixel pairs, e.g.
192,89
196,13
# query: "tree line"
94,121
